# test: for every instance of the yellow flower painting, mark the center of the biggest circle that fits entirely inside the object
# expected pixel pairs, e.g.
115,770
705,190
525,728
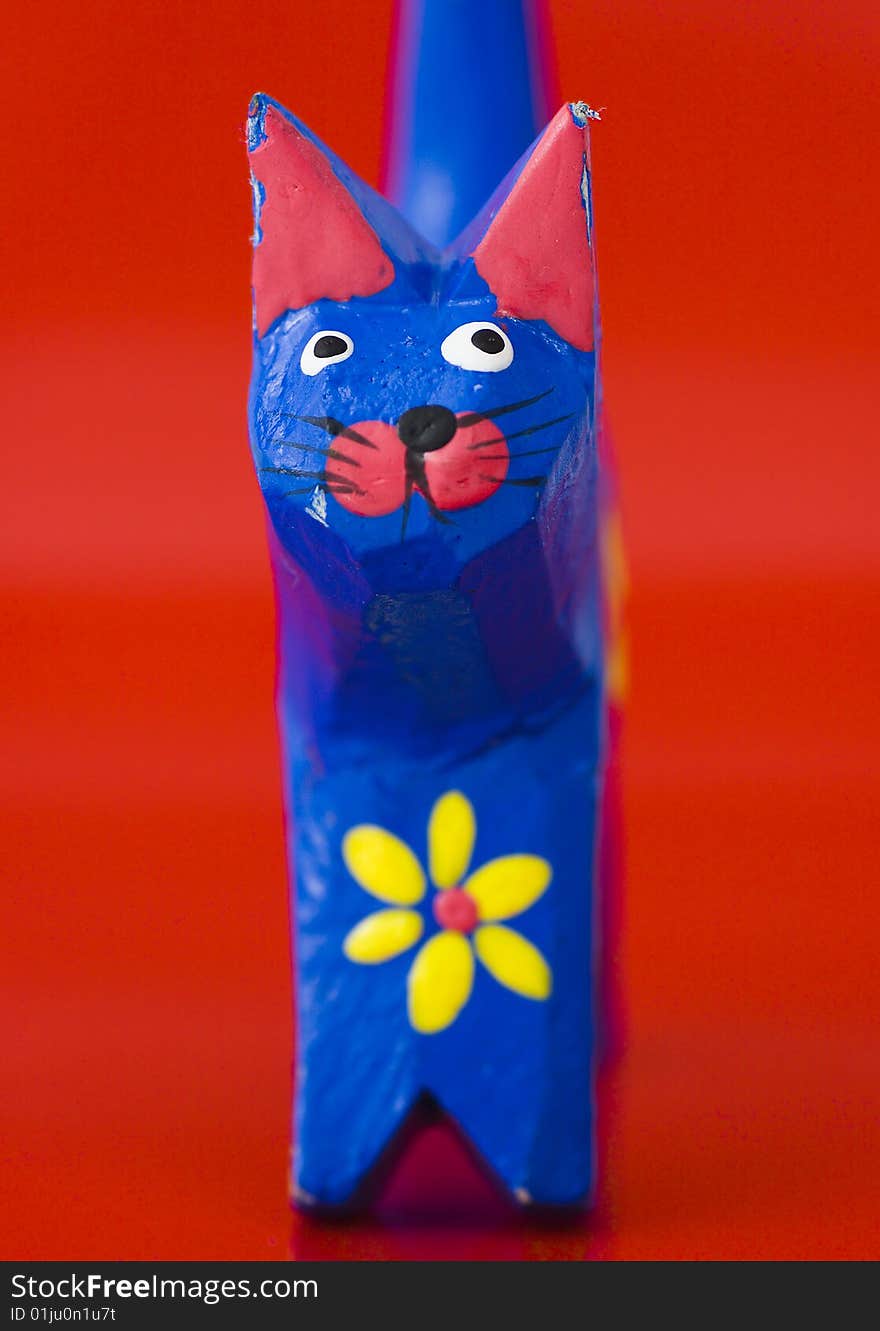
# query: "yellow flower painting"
467,907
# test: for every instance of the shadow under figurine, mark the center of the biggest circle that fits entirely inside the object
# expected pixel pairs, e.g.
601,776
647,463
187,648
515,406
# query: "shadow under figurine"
424,426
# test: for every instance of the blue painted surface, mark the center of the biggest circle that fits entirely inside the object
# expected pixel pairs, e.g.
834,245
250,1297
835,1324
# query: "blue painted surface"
460,655
515,1074
469,95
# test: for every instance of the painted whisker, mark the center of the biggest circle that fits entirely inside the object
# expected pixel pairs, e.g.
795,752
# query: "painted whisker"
544,425
348,432
329,477
333,478
332,453
520,434
526,453
474,417
333,427
507,480
298,471
325,489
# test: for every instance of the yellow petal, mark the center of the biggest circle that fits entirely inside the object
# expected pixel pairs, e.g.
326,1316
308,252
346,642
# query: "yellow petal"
382,936
383,865
440,982
452,828
506,886
513,960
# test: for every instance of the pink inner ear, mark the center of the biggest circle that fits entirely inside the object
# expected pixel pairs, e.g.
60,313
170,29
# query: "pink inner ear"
536,254
315,242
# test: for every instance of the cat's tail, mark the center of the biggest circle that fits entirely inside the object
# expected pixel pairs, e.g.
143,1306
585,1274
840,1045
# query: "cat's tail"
470,86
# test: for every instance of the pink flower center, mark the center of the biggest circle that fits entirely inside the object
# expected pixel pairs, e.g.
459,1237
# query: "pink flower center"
454,909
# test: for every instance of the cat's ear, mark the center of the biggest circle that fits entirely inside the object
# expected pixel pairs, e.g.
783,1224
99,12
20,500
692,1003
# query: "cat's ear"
532,243
320,232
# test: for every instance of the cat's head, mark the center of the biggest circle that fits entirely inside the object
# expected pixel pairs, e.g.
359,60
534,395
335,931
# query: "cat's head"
411,408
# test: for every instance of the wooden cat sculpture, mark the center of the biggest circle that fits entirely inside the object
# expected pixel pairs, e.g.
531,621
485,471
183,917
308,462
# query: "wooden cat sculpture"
425,429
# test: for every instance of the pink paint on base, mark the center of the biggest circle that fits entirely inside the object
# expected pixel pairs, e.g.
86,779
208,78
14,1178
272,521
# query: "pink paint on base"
455,909
536,254
315,242
374,474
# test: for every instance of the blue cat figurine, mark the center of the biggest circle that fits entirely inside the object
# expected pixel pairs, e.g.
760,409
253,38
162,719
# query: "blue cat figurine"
425,425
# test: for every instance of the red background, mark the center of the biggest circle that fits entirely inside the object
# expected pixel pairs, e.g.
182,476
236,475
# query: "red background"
147,986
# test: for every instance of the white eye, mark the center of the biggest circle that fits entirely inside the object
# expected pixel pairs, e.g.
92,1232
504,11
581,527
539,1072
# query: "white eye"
325,348
478,346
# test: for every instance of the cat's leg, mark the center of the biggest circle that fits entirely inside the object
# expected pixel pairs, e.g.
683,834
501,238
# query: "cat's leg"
519,1079
356,1059
528,1110
351,1100
515,1070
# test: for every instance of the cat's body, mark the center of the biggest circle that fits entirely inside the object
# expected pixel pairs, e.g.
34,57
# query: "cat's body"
424,426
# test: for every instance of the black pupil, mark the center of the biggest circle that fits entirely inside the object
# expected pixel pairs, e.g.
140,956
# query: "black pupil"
330,345
488,339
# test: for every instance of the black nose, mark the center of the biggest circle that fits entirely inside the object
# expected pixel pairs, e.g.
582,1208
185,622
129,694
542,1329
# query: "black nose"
425,428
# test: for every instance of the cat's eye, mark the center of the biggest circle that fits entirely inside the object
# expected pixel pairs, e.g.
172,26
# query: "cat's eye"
478,346
328,347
